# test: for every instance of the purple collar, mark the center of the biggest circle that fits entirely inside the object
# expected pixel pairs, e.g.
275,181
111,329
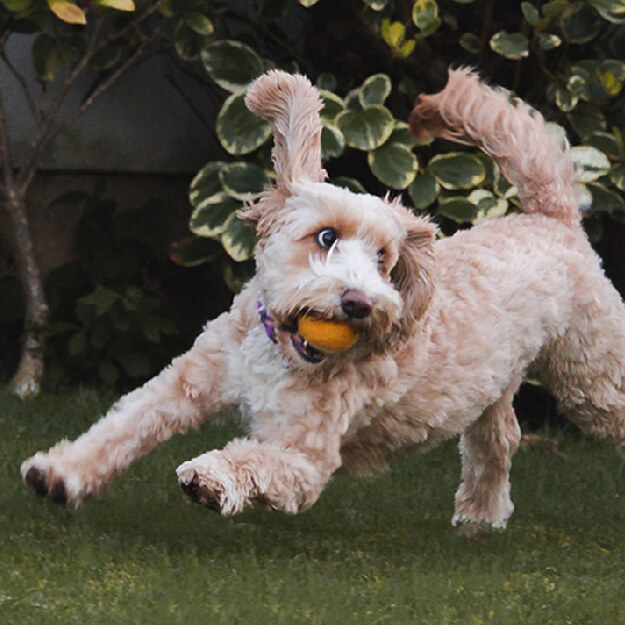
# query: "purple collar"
267,320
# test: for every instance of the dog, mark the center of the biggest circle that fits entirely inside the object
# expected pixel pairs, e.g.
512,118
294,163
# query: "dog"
447,328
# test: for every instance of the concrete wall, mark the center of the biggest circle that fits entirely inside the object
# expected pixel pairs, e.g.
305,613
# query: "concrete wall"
142,136
143,123
53,228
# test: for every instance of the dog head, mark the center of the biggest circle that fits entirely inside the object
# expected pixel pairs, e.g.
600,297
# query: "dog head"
325,251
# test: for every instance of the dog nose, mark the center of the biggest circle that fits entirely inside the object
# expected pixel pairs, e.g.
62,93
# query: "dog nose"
355,304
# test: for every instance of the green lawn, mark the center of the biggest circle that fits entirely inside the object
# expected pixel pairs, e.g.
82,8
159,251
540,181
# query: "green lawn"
370,551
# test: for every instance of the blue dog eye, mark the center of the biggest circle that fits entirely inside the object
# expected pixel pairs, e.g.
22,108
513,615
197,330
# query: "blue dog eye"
326,238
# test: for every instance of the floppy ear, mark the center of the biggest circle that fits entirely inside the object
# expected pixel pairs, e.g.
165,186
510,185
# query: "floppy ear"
413,274
291,105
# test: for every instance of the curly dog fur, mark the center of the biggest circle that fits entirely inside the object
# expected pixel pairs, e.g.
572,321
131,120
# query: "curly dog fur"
448,328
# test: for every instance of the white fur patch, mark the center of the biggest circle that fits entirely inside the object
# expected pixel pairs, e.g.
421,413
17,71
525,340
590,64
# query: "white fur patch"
258,373
354,265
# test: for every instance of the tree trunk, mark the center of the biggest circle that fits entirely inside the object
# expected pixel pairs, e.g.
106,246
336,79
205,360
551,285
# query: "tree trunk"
27,379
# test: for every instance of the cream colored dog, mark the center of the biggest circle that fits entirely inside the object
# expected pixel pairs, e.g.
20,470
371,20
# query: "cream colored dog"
447,328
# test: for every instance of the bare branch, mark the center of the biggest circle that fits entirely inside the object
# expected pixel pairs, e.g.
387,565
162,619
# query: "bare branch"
29,169
133,25
48,119
6,160
48,131
20,79
112,78
190,103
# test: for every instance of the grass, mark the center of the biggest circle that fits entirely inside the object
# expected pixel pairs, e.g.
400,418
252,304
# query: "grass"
379,550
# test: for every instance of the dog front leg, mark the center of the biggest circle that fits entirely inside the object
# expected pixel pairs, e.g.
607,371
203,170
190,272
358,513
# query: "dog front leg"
180,397
277,474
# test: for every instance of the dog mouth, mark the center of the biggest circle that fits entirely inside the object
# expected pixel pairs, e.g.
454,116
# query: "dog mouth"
306,351
324,340
321,325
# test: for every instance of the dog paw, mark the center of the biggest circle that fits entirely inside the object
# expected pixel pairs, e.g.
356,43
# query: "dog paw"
473,530
198,492
44,483
209,480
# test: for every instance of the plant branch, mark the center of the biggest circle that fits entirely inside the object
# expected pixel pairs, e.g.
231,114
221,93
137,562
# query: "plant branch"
6,161
20,79
132,25
112,78
190,103
47,130
279,41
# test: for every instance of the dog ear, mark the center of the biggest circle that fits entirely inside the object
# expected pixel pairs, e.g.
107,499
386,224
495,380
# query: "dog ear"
413,274
291,105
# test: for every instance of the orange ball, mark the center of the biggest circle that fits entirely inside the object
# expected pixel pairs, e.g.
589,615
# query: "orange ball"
327,336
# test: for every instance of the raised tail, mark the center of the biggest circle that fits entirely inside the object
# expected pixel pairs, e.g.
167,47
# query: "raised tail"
532,157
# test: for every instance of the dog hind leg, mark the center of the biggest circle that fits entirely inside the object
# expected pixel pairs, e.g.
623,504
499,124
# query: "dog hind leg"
487,446
585,367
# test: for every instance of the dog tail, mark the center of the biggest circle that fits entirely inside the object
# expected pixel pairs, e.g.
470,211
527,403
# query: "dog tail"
291,105
533,158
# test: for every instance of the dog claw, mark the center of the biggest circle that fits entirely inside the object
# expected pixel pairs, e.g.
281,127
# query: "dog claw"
35,480
191,491
196,494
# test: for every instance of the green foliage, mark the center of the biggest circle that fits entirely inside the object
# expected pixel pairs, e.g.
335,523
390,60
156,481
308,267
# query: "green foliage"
108,319
63,44
216,193
563,56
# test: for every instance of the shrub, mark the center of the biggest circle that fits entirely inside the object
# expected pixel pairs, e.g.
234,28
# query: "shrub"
70,40
110,321
370,58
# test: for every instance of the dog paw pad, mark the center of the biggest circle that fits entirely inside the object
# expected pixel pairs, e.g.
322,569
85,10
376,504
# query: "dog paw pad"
34,479
44,487
196,493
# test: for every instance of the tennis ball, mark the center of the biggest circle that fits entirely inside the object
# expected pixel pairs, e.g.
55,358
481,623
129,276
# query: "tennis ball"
327,336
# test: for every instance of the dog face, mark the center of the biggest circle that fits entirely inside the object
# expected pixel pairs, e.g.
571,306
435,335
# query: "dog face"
325,251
